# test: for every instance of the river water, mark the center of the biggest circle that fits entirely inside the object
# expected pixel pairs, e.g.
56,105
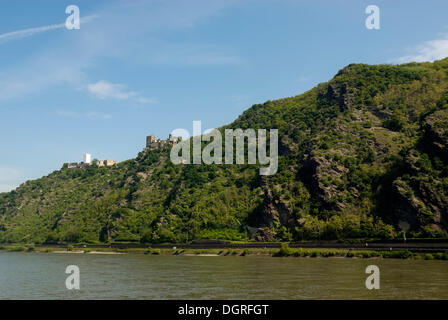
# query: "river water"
136,276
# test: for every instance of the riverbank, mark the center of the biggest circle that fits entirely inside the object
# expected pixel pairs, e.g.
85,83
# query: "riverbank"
284,251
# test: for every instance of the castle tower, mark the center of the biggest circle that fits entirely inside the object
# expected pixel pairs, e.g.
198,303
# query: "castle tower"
87,158
150,139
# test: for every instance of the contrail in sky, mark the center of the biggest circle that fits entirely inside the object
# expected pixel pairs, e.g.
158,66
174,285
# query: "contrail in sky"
32,31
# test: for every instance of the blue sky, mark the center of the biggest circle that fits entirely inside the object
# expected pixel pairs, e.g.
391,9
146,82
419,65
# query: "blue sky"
141,67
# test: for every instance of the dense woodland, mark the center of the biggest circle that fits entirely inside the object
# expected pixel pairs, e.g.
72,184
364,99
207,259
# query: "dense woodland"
359,155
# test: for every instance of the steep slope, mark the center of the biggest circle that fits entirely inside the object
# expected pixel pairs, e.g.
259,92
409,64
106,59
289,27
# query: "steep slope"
359,155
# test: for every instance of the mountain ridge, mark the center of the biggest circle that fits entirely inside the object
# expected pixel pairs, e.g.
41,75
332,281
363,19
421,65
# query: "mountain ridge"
358,155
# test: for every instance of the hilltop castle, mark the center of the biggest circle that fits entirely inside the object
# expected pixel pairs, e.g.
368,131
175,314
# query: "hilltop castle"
88,162
153,143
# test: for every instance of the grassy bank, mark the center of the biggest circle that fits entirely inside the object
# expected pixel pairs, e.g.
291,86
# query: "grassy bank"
284,251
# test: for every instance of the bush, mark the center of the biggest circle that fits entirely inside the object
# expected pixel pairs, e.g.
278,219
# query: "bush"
178,252
299,253
155,251
73,235
328,253
146,236
285,251
429,256
405,254
367,124
52,237
438,256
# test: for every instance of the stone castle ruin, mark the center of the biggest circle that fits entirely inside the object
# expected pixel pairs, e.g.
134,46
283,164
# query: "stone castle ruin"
153,143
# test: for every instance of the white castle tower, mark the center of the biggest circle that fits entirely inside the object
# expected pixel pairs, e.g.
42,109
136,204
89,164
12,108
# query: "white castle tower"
87,158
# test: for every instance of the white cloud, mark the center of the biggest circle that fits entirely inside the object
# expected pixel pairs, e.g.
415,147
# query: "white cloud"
428,51
107,90
103,90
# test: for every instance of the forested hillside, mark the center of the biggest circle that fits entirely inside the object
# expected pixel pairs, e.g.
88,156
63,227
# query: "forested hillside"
358,155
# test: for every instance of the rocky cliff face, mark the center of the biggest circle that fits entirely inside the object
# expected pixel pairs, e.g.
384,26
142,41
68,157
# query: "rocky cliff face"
436,134
420,196
391,147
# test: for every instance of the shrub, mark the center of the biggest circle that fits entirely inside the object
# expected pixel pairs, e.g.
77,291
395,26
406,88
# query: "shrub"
438,256
299,253
178,252
155,251
366,254
429,256
146,236
367,124
328,253
73,235
285,251
445,256
404,254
